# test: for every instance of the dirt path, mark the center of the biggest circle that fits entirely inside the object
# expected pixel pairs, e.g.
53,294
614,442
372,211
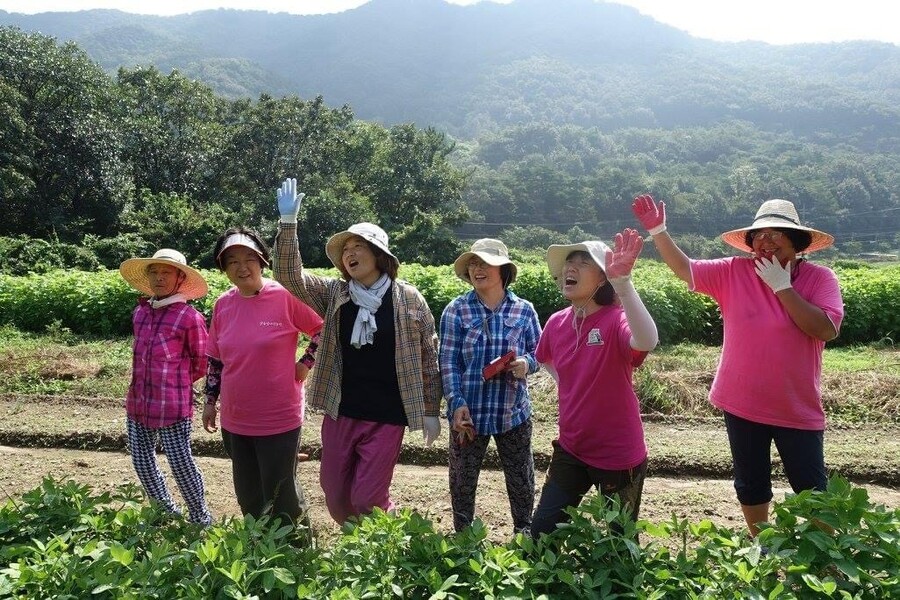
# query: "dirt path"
424,488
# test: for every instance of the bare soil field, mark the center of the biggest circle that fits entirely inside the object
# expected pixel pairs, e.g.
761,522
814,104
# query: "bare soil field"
689,465
423,488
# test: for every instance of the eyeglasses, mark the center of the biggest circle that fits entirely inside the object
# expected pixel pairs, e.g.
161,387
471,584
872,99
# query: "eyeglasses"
773,236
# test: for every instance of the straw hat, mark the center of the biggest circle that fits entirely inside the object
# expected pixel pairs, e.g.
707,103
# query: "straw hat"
134,271
493,252
777,214
556,255
370,232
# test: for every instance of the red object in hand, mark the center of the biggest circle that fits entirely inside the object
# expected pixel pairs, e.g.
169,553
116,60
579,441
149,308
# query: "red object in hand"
498,365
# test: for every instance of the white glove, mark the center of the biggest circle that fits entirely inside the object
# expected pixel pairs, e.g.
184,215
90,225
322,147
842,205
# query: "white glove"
432,430
776,277
289,201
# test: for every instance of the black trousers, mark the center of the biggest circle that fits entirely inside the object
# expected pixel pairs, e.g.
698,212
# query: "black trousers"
264,469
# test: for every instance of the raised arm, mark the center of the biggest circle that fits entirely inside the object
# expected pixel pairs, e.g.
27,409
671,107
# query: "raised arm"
653,218
619,264
287,264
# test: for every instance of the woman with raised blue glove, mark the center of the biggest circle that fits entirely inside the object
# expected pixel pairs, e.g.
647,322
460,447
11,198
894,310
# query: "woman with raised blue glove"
377,361
778,310
478,328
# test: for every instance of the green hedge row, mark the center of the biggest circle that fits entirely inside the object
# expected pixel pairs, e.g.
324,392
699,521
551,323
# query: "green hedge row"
100,303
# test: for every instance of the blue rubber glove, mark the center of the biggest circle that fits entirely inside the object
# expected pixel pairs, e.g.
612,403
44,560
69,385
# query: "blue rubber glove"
289,201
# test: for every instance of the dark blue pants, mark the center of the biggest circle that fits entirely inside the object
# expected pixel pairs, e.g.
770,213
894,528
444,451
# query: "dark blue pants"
802,454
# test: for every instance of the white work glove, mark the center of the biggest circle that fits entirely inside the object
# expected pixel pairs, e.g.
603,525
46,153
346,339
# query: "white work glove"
776,277
432,430
289,201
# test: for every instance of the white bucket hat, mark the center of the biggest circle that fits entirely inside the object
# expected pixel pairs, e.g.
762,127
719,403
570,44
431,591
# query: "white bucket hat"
493,252
556,255
134,271
370,232
778,214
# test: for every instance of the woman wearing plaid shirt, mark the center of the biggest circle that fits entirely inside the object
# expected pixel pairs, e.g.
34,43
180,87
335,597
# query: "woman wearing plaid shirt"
378,370
476,328
169,354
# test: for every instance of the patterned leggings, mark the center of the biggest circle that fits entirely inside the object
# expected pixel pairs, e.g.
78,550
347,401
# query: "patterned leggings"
176,443
514,449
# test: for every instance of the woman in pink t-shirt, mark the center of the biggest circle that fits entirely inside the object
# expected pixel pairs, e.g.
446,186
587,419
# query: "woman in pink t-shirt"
255,376
591,348
778,311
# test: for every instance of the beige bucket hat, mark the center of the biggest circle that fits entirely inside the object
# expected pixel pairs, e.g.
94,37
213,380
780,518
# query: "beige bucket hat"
134,271
493,252
370,232
778,214
556,255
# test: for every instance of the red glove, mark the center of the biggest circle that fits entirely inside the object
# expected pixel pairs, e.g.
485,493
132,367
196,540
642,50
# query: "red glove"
651,215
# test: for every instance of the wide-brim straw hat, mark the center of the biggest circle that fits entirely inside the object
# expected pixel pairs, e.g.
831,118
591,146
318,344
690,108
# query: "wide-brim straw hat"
134,271
777,214
370,232
557,254
493,252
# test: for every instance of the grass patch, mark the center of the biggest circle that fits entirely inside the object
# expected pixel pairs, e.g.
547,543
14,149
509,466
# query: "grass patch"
860,384
61,363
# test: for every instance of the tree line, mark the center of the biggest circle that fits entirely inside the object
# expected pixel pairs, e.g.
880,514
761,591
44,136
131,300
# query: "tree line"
148,159
111,166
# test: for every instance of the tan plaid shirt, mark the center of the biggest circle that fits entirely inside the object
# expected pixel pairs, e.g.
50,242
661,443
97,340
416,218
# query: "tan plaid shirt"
418,373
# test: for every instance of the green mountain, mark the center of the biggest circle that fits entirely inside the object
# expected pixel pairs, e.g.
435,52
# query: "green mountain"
474,69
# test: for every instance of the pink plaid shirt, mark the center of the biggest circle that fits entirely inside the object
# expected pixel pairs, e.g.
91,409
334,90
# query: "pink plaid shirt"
169,354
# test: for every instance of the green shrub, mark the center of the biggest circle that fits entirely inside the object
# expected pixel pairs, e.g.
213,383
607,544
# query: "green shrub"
62,541
100,303
871,309
22,255
110,252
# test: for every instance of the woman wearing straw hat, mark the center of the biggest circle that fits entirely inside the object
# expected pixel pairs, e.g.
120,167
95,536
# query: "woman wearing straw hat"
483,325
778,311
378,370
591,348
256,378
169,354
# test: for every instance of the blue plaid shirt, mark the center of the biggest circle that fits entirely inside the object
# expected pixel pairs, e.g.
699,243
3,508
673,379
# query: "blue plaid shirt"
471,337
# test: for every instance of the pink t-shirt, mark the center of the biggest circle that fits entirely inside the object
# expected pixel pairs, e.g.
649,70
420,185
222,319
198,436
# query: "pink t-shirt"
770,370
256,340
599,415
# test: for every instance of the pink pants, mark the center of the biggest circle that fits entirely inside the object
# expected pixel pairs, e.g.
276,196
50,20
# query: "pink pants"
358,459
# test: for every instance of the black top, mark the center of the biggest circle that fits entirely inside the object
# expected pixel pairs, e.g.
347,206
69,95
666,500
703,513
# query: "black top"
369,387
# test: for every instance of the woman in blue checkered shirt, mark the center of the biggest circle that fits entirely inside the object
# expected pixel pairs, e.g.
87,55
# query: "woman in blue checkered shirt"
483,325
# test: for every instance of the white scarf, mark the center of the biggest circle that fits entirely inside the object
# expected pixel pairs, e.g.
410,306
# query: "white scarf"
154,303
368,300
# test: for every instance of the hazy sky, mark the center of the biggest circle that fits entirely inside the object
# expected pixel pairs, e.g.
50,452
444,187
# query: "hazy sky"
773,21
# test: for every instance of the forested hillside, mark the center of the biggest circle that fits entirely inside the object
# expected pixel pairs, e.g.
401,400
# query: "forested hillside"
539,120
